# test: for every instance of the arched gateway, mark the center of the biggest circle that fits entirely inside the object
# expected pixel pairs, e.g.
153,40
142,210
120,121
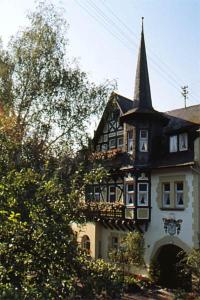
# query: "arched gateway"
171,274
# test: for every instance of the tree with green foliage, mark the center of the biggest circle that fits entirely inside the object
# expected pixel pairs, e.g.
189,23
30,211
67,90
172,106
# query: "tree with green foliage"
130,251
46,102
51,97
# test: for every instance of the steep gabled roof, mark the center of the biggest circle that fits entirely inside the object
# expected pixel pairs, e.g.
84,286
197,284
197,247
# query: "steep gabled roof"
124,104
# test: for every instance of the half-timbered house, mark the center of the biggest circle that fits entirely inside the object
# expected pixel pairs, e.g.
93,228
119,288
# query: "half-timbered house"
154,185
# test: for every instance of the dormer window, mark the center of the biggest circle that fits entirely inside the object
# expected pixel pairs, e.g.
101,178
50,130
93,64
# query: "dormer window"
143,141
183,142
178,142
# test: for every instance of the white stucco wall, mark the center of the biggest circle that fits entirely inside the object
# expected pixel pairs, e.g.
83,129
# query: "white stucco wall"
155,230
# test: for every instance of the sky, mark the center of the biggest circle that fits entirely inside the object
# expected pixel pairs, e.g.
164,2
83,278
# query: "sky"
105,34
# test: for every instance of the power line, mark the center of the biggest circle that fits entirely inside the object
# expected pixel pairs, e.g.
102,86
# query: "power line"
108,24
149,49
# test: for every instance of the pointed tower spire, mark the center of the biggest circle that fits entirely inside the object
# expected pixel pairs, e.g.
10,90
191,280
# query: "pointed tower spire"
142,91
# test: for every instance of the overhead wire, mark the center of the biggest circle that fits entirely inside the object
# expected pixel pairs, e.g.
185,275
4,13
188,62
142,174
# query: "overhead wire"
99,16
175,75
159,69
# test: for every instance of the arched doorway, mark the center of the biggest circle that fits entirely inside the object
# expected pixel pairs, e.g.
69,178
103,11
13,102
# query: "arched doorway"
171,274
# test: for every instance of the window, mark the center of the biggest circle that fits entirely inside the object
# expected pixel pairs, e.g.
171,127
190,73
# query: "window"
183,142
173,147
85,244
112,143
179,194
130,141
112,193
105,138
114,242
105,129
120,141
178,142
130,193
143,140
104,147
97,193
173,192
143,194
166,194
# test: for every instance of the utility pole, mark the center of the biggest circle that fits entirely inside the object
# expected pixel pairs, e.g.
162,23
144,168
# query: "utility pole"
184,93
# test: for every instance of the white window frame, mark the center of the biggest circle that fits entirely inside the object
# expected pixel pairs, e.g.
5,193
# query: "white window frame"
143,192
166,193
130,193
173,143
184,136
111,193
179,192
130,141
143,140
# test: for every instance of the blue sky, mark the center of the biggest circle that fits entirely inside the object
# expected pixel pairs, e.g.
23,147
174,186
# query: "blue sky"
105,34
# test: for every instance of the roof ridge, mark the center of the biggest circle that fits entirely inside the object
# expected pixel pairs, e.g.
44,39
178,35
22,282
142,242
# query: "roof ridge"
183,108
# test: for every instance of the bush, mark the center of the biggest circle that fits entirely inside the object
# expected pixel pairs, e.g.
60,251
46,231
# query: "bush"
131,284
98,278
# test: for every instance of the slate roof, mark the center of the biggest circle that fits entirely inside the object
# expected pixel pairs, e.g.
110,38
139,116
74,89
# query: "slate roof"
124,103
183,117
142,92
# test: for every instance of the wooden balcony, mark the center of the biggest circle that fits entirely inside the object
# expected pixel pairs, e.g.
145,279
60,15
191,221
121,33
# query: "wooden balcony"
110,215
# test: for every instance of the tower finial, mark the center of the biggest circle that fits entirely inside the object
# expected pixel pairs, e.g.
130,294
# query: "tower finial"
142,23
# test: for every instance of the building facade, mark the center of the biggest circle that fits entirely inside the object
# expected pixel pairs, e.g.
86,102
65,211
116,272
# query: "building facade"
153,159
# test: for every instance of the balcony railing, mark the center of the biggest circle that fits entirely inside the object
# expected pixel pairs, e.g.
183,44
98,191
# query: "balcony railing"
104,210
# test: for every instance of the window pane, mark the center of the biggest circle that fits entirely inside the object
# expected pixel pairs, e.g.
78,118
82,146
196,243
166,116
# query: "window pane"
115,242
130,187
130,145
129,199
143,146
179,186
143,134
130,134
112,198
166,187
142,199
120,141
166,199
112,189
179,199
173,143
104,147
183,141
143,187
112,143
